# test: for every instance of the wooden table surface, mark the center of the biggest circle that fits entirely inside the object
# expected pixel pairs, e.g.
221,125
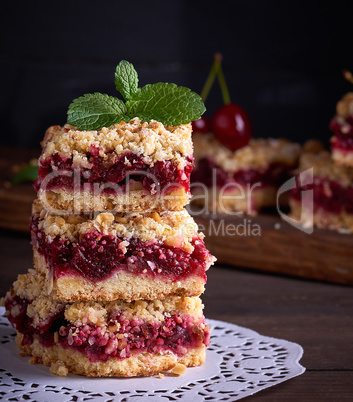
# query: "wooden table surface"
318,316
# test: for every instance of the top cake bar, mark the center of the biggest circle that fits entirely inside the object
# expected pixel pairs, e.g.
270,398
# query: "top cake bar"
128,167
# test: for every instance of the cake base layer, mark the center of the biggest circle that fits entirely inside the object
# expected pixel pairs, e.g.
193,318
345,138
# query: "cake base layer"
63,201
62,360
342,158
321,218
220,202
122,285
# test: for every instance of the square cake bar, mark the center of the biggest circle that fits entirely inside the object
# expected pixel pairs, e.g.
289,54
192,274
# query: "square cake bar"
128,167
117,338
126,256
245,180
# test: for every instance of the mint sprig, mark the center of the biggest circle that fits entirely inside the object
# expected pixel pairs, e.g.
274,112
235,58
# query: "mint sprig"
168,103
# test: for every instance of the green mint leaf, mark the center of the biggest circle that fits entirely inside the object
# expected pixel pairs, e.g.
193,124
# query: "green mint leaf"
170,104
28,173
126,79
144,96
94,111
139,97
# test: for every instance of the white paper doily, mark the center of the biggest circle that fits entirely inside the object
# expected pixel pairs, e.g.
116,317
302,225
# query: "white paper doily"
239,363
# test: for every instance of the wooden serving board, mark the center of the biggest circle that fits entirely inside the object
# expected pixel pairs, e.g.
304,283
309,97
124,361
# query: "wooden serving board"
15,200
265,242
280,248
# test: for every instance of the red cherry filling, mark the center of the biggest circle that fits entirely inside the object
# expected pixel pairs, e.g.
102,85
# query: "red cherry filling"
327,195
175,333
343,134
210,174
16,312
57,172
97,256
231,126
124,336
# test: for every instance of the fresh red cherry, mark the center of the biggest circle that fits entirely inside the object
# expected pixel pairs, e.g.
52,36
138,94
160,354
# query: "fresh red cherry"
202,125
231,126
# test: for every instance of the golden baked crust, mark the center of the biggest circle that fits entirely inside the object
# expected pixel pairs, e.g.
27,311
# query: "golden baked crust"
121,285
324,167
174,228
321,218
342,158
235,200
259,154
64,201
153,140
144,364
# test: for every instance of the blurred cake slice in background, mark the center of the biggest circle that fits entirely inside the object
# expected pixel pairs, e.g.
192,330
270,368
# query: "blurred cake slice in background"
244,180
342,127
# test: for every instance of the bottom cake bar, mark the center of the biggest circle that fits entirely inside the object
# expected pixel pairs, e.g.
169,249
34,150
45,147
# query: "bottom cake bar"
116,338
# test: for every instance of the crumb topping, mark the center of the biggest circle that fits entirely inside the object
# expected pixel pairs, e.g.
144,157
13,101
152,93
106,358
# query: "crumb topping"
344,107
59,368
98,312
325,167
259,154
153,140
178,369
174,228
31,286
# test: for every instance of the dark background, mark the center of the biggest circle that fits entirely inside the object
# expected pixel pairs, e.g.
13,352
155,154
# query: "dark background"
282,60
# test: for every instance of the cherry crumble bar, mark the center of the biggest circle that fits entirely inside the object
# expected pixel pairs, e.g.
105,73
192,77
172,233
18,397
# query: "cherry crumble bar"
128,167
117,338
127,256
342,128
332,193
244,180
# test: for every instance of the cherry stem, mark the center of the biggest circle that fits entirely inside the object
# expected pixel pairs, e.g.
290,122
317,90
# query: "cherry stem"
210,80
223,85
216,70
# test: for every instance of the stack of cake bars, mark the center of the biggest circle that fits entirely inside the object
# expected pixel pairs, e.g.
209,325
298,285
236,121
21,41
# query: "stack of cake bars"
119,263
